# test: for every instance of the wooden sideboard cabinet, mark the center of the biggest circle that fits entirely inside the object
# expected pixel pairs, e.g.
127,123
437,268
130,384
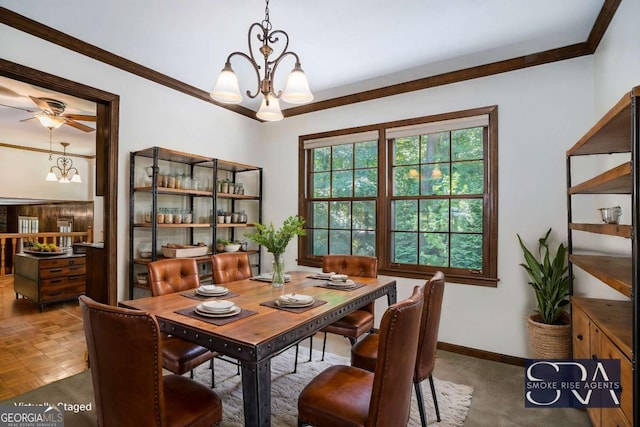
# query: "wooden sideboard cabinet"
49,279
600,331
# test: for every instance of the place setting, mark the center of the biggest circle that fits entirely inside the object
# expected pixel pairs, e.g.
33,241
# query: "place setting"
341,282
268,277
295,303
322,276
216,312
206,292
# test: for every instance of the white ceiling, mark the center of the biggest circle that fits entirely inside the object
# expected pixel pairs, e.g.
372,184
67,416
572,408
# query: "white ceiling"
344,46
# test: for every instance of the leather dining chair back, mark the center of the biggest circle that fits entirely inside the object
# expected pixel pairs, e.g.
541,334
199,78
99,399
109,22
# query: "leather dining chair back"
171,275
167,276
346,395
231,266
351,265
126,369
365,353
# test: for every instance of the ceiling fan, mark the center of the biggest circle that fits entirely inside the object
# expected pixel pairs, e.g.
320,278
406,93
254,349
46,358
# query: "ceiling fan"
52,115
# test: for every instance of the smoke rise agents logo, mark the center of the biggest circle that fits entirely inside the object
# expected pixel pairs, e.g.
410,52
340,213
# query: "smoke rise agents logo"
579,383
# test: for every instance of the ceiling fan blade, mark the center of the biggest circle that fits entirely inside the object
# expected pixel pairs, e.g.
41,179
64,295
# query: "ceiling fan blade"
5,91
81,117
30,118
42,105
78,125
17,108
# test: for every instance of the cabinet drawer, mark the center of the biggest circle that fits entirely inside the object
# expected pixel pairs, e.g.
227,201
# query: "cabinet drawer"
56,282
61,262
62,271
580,333
595,338
61,292
610,351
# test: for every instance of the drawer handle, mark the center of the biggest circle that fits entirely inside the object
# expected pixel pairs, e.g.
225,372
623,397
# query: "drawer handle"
55,270
54,294
55,281
594,357
580,337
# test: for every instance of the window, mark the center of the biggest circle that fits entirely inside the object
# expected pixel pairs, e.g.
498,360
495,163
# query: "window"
421,195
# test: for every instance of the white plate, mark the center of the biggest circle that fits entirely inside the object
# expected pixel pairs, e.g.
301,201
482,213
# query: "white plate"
339,277
294,305
233,312
324,275
218,292
216,306
266,277
212,288
346,284
296,298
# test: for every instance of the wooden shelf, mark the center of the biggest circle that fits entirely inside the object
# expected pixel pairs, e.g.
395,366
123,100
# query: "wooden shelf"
232,225
174,156
176,191
148,225
613,317
237,196
614,181
618,230
612,134
613,271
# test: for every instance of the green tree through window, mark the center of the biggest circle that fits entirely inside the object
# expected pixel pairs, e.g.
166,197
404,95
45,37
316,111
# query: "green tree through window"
420,194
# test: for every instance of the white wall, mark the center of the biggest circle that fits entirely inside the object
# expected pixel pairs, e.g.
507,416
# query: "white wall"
22,175
541,112
150,115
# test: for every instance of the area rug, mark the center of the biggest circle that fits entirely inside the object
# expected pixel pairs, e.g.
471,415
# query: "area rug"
453,399
77,393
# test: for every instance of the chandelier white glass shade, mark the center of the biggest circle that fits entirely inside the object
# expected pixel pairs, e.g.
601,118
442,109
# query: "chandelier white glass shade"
66,172
49,121
227,88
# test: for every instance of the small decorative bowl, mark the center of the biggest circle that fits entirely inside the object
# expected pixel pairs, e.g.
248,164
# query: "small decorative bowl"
232,247
611,215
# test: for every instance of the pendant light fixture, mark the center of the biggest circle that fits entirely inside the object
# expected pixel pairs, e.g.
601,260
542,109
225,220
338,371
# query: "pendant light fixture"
227,88
68,173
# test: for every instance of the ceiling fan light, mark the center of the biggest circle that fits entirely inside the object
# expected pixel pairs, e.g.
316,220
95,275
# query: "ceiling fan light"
297,89
76,178
271,112
227,89
51,176
51,122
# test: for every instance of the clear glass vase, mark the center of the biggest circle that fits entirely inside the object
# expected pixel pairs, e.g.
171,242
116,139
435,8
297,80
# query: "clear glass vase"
277,281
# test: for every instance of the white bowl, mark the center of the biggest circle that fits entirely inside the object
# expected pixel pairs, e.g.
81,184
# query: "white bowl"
232,248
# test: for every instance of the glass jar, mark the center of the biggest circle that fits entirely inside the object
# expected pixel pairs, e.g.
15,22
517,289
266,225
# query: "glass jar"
168,216
171,181
162,180
160,216
177,216
187,218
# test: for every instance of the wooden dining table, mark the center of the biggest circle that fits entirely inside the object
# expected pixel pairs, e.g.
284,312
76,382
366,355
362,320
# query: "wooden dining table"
254,339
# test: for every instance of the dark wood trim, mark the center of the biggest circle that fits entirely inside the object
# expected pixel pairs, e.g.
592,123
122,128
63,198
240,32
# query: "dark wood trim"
40,150
587,47
605,16
107,123
481,354
29,26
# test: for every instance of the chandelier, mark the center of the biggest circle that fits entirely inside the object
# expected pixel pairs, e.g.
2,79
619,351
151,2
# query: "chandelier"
296,91
64,168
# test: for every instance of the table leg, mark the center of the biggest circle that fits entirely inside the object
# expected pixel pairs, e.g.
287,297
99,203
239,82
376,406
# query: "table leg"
392,296
256,392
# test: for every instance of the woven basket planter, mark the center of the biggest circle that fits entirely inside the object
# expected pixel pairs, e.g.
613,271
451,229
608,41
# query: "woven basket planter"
549,341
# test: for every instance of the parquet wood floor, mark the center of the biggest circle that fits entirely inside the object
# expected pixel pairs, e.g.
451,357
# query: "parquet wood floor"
37,348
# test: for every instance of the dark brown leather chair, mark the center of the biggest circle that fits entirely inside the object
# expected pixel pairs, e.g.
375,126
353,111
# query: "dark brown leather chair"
365,353
231,266
126,370
359,322
167,276
349,396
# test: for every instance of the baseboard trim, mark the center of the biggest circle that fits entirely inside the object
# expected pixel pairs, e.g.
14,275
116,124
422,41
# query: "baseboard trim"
481,354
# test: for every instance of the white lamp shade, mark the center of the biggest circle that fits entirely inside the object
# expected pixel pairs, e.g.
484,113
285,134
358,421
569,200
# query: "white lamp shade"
76,178
51,122
297,89
64,180
271,112
51,177
227,89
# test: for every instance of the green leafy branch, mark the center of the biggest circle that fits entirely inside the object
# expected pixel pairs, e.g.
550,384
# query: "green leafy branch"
276,241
